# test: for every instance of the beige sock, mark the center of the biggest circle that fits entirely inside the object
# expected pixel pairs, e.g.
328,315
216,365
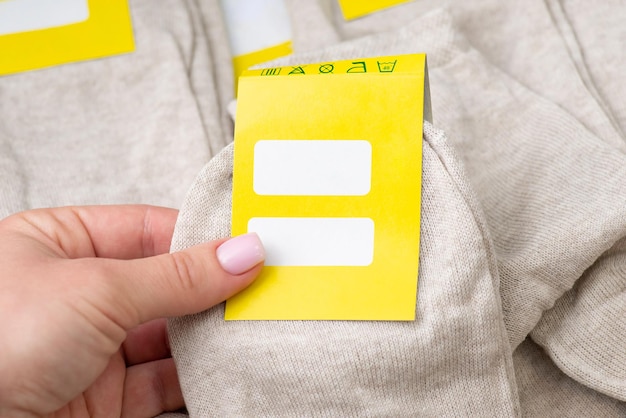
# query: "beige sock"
524,157
524,40
545,391
133,128
453,359
600,36
584,333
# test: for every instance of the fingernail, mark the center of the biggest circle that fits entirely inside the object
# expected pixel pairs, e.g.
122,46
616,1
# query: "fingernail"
241,253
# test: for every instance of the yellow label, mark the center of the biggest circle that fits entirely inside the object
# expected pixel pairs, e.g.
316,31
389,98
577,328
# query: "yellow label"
353,9
327,171
84,29
243,62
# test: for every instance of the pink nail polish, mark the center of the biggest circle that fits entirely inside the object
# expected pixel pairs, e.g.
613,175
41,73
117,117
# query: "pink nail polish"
241,253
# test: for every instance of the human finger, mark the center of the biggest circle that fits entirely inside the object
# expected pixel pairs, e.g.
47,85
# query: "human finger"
147,342
151,388
116,231
179,283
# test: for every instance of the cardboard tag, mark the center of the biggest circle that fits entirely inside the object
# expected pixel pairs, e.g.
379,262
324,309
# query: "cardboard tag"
328,172
353,9
258,31
42,33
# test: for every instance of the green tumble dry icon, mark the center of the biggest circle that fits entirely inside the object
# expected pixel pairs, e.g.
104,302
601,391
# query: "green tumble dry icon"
386,66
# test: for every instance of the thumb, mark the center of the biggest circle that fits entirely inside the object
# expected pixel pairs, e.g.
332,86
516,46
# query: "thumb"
185,282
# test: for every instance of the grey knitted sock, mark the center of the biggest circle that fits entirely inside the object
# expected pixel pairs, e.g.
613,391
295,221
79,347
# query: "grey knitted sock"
551,190
600,36
529,41
454,359
545,391
133,128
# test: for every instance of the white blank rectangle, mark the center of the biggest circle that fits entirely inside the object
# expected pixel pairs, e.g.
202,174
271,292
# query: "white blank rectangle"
254,25
27,15
312,167
316,241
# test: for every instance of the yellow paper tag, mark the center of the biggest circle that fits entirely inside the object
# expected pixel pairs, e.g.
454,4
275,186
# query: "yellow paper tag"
327,171
245,61
42,33
353,9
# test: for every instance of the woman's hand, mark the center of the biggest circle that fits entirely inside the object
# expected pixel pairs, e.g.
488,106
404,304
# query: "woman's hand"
83,296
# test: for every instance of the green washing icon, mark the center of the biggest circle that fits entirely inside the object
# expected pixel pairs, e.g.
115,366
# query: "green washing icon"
386,66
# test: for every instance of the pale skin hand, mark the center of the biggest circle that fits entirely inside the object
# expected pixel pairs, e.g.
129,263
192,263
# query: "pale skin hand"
83,294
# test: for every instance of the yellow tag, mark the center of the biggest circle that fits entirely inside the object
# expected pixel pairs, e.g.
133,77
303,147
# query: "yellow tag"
353,9
245,61
328,172
42,33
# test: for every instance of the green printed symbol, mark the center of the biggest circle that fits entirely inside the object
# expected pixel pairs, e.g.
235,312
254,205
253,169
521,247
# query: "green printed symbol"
271,71
296,70
386,66
359,67
326,68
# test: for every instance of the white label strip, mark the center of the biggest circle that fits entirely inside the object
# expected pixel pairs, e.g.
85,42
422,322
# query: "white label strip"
27,15
312,167
316,241
255,25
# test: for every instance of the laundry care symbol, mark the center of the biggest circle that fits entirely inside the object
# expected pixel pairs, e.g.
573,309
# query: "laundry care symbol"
296,70
358,67
271,71
326,68
353,67
386,66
